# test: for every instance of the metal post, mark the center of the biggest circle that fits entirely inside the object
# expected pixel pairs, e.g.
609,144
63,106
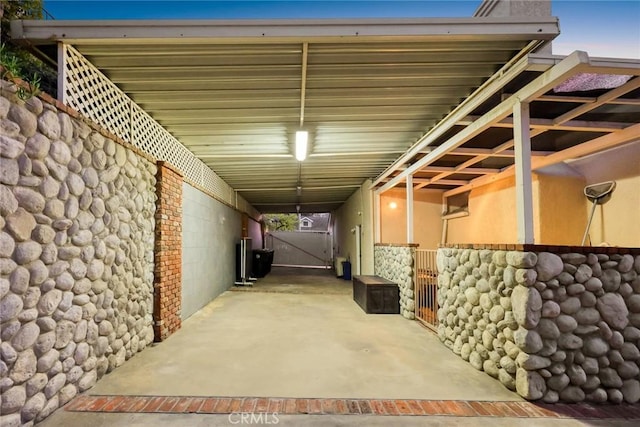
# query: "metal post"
358,233
409,208
524,192
377,222
62,72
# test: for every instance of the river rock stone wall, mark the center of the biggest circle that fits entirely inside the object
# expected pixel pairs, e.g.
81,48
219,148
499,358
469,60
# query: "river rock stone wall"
555,327
76,257
396,263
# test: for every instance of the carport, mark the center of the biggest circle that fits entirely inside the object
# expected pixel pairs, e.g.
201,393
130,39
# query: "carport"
235,92
222,101
396,103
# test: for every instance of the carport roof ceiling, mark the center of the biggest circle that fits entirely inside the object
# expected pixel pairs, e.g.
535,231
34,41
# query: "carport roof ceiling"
235,92
571,107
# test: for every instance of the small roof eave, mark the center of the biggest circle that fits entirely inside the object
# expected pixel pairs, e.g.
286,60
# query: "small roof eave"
596,64
352,30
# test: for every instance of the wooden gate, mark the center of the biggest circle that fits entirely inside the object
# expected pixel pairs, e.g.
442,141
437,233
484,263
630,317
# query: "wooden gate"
426,286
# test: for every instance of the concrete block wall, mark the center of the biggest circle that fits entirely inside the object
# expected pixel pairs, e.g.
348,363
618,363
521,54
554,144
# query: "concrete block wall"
210,231
76,255
551,323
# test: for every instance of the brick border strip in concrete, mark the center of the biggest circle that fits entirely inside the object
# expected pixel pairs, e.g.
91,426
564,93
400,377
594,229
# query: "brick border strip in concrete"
300,406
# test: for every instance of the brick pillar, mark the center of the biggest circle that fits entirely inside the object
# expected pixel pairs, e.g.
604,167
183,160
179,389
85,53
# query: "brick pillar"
167,284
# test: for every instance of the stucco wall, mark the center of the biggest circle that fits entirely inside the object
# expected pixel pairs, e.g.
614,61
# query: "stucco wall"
559,217
560,208
76,256
427,219
502,8
617,222
210,233
492,215
346,218
254,230
558,211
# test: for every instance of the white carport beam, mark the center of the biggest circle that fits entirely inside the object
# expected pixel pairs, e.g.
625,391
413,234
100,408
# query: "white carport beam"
324,202
326,187
524,186
602,143
549,124
468,171
464,166
495,152
539,126
584,99
62,73
303,81
502,148
242,156
619,91
507,73
491,152
409,208
355,153
602,99
426,181
575,63
377,230
311,30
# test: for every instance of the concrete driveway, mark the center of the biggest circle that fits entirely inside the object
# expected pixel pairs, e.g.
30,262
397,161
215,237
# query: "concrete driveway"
277,348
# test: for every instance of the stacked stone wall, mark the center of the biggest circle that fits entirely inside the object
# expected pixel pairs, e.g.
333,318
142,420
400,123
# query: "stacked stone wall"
396,263
550,326
76,256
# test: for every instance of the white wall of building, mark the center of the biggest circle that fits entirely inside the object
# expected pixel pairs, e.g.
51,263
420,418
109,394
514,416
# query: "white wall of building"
357,210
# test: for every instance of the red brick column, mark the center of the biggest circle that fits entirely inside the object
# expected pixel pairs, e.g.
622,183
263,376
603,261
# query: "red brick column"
167,285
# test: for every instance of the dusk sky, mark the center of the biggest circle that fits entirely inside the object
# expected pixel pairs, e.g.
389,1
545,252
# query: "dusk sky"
601,27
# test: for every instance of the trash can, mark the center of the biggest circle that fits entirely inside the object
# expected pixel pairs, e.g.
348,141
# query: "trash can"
346,270
262,259
269,259
339,261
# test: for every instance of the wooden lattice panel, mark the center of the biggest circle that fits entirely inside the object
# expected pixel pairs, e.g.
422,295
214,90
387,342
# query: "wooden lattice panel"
212,182
92,94
152,138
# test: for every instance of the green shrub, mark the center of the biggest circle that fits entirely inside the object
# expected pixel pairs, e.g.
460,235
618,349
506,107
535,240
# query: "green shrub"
16,60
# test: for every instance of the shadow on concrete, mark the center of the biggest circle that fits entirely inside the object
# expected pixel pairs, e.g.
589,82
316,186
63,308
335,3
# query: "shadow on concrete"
298,280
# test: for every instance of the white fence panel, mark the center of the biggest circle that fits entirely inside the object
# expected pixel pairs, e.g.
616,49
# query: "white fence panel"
300,248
